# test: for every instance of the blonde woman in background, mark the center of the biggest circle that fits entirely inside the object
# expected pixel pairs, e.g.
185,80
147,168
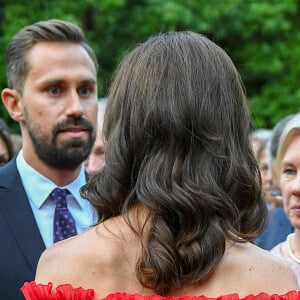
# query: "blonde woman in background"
288,168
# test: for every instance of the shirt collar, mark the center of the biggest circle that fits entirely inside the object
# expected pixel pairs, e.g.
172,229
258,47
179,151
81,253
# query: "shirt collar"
38,187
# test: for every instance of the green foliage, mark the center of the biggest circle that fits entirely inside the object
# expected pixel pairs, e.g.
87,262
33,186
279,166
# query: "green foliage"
261,37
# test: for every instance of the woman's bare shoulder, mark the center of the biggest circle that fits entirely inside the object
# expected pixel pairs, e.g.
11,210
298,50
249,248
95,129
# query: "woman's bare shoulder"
55,261
261,270
106,247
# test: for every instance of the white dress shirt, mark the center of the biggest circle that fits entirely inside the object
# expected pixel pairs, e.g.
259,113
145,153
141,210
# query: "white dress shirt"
38,189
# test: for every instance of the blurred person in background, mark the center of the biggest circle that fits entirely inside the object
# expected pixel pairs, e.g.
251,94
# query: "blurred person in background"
288,172
278,226
259,136
265,171
6,145
95,160
260,140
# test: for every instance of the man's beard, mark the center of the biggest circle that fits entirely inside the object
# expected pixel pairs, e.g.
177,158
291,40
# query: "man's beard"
70,154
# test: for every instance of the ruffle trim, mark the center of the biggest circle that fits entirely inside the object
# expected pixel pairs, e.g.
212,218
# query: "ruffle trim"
34,291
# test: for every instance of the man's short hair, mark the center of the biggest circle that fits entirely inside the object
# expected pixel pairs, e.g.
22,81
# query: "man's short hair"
27,37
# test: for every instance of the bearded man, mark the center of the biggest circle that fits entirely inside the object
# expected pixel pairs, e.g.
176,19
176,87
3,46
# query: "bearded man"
52,94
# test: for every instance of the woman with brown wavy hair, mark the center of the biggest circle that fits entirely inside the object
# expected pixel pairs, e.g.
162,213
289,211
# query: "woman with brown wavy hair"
179,197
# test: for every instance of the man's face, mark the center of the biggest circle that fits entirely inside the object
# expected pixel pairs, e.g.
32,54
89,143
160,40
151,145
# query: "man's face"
59,103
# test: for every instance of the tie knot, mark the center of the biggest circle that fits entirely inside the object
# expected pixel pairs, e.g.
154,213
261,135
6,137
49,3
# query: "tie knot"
59,196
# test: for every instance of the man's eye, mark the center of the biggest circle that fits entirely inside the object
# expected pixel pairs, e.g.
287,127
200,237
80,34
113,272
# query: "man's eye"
85,91
54,90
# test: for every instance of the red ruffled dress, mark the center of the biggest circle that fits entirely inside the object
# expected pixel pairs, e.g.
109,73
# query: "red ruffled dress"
33,291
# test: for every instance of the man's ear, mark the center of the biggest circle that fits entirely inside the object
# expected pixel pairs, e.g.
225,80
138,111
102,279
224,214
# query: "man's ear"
12,101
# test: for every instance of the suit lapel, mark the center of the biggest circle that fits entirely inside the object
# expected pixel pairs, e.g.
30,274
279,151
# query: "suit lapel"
18,214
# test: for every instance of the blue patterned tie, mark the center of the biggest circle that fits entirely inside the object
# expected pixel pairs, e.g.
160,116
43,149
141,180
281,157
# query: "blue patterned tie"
64,223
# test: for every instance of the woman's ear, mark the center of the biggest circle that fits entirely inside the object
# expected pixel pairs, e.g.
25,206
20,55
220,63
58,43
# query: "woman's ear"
12,101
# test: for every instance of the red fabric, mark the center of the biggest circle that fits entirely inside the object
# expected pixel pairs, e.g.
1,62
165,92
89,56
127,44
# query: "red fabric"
33,291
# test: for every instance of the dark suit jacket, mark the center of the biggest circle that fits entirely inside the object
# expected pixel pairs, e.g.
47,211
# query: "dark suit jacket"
21,242
276,231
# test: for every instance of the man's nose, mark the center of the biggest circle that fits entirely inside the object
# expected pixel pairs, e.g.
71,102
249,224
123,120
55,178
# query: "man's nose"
73,104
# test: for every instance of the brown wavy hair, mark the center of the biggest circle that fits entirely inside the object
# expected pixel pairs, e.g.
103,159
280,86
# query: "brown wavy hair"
177,131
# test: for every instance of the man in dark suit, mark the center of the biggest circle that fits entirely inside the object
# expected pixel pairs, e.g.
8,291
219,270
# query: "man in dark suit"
52,94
